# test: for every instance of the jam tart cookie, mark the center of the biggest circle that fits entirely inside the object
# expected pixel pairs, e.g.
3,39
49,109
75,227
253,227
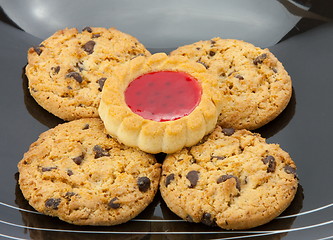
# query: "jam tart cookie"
233,179
81,175
160,103
259,88
67,71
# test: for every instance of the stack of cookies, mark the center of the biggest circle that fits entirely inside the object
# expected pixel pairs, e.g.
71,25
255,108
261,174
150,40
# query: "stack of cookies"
123,105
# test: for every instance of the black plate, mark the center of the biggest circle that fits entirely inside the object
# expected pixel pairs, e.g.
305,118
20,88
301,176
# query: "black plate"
304,129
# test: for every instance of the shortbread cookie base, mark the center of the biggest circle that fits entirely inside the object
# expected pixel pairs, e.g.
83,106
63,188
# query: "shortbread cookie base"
152,136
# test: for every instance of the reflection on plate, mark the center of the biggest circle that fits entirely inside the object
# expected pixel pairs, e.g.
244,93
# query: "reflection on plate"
160,24
35,109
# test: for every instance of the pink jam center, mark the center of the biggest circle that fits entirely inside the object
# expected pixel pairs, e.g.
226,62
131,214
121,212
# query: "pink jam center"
163,96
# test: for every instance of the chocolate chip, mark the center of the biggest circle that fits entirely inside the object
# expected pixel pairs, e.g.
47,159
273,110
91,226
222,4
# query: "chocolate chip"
212,42
89,47
47,169
211,53
229,74
193,177
68,195
78,160
198,48
135,56
289,169
100,152
86,126
108,136
88,29
101,82
138,55
52,203
240,77
205,65
169,178
55,69
274,70
97,35
189,218
112,203
38,50
144,184
228,131
193,160
217,157
79,65
75,75
224,178
260,59
270,160
69,172
207,219
245,180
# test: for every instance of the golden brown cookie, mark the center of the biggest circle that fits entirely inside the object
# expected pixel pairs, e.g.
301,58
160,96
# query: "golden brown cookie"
233,179
160,103
67,71
258,86
81,175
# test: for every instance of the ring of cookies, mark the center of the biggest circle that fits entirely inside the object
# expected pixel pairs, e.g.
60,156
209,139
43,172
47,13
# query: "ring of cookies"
123,105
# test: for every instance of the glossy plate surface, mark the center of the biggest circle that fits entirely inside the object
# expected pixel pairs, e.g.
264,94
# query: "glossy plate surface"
305,129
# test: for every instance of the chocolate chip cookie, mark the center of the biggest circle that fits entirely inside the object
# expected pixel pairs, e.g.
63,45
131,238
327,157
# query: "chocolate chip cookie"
67,71
258,88
80,174
233,179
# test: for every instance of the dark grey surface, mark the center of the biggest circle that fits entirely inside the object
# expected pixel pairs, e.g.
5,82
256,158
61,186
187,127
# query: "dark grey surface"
304,129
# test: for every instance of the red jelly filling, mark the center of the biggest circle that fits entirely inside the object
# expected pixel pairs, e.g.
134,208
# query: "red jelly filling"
163,96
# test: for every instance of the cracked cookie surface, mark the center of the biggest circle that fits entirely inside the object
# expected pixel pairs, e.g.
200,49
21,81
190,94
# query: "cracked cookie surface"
78,173
258,86
233,179
67,71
